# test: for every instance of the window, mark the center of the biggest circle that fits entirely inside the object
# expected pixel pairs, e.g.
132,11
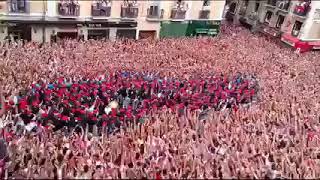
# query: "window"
256,8
280,21
233,7
206,2
268,17
18,6
296,28
153,11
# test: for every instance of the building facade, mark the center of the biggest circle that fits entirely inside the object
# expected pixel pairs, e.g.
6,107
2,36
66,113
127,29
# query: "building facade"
45,21
296,23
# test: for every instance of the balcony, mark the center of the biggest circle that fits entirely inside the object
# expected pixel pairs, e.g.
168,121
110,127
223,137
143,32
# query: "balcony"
206,5
129,10
179,10
18,6
283,5
302,8
178,14
154,13
204,14
68,9
101,9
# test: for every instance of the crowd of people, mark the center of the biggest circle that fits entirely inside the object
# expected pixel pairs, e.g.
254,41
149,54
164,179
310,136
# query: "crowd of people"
233,106
125,97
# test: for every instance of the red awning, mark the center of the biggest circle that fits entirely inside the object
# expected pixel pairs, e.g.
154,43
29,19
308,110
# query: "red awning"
301,46
289,37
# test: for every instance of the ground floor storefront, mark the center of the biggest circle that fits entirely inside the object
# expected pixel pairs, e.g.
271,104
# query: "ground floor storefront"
189,28
300,45
48,31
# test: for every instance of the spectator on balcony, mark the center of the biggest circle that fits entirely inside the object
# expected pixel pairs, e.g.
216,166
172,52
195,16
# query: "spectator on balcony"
63,7
72,8
14,5
281,4
104,3
103,7
21,4
302,7
95,4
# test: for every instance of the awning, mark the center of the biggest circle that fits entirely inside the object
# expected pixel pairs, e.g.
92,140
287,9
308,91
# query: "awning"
289,39
206,31
212,32
201,31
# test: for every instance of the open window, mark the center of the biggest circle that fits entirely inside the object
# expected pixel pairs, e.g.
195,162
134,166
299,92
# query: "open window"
280,21
256,7
268,17
296,28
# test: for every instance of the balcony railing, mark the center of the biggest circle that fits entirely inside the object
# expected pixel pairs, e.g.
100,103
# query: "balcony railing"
204,14
68,9
129,9
129,12
101,9
18,6
154,13
178,14
302,8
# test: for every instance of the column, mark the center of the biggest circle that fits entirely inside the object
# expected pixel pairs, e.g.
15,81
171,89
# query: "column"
113,34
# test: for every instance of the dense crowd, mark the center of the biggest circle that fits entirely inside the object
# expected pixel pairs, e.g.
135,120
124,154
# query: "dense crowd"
86,101
233,106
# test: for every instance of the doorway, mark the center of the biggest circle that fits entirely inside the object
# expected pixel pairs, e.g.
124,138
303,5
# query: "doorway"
20,31
98,34
126,34
67,35
147,34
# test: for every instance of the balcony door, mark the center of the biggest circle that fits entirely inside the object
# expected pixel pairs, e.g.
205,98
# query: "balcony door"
280,21
18,6
296,28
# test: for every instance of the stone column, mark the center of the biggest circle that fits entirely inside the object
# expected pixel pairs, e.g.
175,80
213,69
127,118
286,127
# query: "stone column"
113,34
